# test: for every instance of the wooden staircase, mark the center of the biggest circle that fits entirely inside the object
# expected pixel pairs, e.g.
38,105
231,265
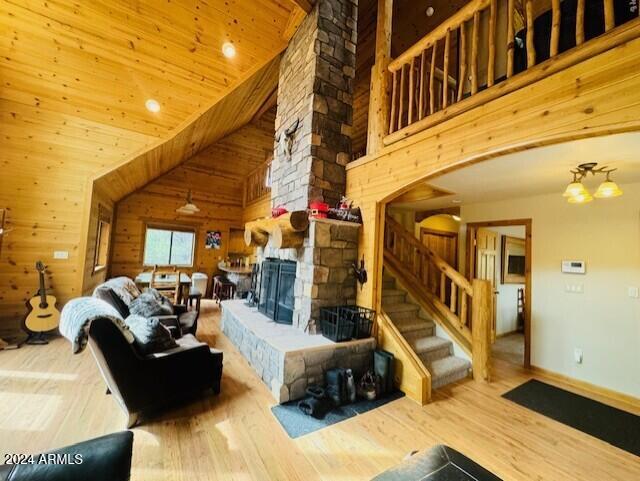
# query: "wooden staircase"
420,290
436,353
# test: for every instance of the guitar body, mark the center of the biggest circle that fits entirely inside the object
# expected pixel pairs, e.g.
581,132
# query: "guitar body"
42,317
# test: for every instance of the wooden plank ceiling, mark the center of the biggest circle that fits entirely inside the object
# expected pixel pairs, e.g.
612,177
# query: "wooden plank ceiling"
199,131
79,73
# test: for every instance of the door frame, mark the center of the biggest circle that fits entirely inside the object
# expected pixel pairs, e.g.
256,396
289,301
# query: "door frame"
443,233
470,269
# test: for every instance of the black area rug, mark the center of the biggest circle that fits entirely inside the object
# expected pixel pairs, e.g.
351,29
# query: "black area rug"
614,426
297,424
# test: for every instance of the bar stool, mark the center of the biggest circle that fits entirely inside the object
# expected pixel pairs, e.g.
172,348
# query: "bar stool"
223,289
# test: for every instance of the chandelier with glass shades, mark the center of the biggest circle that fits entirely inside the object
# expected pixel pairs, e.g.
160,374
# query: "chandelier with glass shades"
577,193
189,208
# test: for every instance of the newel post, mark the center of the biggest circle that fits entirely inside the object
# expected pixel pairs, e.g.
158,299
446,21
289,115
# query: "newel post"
481,330
378,124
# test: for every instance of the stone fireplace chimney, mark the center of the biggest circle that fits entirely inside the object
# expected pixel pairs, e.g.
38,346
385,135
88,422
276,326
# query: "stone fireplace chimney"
313,132
314,117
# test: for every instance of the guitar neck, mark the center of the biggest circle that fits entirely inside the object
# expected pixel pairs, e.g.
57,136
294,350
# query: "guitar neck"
43,292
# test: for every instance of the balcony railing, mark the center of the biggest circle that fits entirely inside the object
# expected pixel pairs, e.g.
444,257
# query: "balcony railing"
460,63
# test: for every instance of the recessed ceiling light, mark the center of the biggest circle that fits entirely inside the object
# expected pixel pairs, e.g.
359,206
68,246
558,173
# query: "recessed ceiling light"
152,105
228,50
456,201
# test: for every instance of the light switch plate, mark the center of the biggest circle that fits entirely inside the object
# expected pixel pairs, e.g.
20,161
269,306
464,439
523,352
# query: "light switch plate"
633,292
577,355
61,254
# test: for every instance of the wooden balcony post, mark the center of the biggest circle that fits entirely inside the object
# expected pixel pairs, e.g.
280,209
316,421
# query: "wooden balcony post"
378,123
481,330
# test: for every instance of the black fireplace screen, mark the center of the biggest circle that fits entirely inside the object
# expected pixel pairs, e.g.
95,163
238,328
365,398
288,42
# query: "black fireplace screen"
276,290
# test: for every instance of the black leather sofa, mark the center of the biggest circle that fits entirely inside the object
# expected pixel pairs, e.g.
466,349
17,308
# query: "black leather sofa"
142,385
107,458
187,320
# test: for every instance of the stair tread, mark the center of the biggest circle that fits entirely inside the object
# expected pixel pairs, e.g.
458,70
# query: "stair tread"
393,292
413,325
401,307
447,366
430,343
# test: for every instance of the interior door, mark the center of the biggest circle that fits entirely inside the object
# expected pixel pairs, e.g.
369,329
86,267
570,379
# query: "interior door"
445,244
486,259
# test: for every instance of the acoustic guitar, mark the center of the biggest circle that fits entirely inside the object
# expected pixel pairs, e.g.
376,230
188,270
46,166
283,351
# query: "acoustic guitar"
43,315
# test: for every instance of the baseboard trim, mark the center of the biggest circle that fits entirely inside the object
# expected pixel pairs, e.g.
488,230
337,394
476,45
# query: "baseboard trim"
622,399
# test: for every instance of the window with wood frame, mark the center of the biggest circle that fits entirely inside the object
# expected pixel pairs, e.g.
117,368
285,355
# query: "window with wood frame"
169,246
103,238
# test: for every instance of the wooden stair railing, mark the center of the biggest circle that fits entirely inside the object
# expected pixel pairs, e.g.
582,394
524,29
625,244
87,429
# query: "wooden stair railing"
473,50
461,307
448,290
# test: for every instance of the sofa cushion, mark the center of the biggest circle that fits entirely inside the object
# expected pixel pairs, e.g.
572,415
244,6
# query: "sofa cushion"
150,304
150,334
118,292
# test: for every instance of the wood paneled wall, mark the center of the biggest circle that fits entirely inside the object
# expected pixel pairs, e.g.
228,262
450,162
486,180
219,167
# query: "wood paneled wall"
598,96
215,178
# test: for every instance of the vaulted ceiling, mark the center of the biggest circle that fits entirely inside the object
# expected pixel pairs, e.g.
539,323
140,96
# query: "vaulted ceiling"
77,74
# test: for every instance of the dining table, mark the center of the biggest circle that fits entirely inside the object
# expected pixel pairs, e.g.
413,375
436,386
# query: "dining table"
143,279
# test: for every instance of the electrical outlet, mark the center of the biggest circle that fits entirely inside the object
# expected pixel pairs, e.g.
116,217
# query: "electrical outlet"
577,355
61,254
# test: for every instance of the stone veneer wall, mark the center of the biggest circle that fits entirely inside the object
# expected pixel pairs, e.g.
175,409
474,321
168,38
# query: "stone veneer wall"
324,273
288,373
315,87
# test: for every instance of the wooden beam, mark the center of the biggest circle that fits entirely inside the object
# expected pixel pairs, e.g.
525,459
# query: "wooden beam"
481,330
380,79
306,5
270,102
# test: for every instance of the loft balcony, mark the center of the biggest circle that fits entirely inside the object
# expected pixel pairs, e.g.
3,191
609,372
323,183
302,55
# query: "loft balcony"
487,49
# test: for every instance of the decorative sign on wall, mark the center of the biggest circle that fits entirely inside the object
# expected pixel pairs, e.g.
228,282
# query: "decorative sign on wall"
213,240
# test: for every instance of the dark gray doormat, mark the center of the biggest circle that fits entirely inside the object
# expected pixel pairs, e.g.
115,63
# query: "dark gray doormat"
440,463
609,424
297,424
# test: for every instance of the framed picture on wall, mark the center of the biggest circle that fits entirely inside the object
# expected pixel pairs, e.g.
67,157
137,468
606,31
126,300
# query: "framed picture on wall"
213,240
513,260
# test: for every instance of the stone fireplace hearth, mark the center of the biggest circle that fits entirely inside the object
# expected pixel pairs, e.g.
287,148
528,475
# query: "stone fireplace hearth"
288,359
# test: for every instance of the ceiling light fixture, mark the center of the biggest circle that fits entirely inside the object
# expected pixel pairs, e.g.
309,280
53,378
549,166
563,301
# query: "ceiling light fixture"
189,208
152,105
430,11
577,193
228,50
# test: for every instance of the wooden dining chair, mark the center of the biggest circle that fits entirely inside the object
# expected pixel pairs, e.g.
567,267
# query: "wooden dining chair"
166,280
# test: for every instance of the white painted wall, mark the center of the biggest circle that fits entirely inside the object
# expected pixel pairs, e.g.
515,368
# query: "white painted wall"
603,321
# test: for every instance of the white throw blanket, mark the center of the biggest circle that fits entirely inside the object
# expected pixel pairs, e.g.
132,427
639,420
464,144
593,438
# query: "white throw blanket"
123,287
77,316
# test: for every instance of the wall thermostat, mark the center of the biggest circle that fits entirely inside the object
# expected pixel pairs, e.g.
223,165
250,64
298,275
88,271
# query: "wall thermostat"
574,267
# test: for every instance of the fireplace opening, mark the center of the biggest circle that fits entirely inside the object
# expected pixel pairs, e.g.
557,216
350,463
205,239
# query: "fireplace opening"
277,290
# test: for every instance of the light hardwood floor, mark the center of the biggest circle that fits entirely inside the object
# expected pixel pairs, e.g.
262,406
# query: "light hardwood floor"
50,398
